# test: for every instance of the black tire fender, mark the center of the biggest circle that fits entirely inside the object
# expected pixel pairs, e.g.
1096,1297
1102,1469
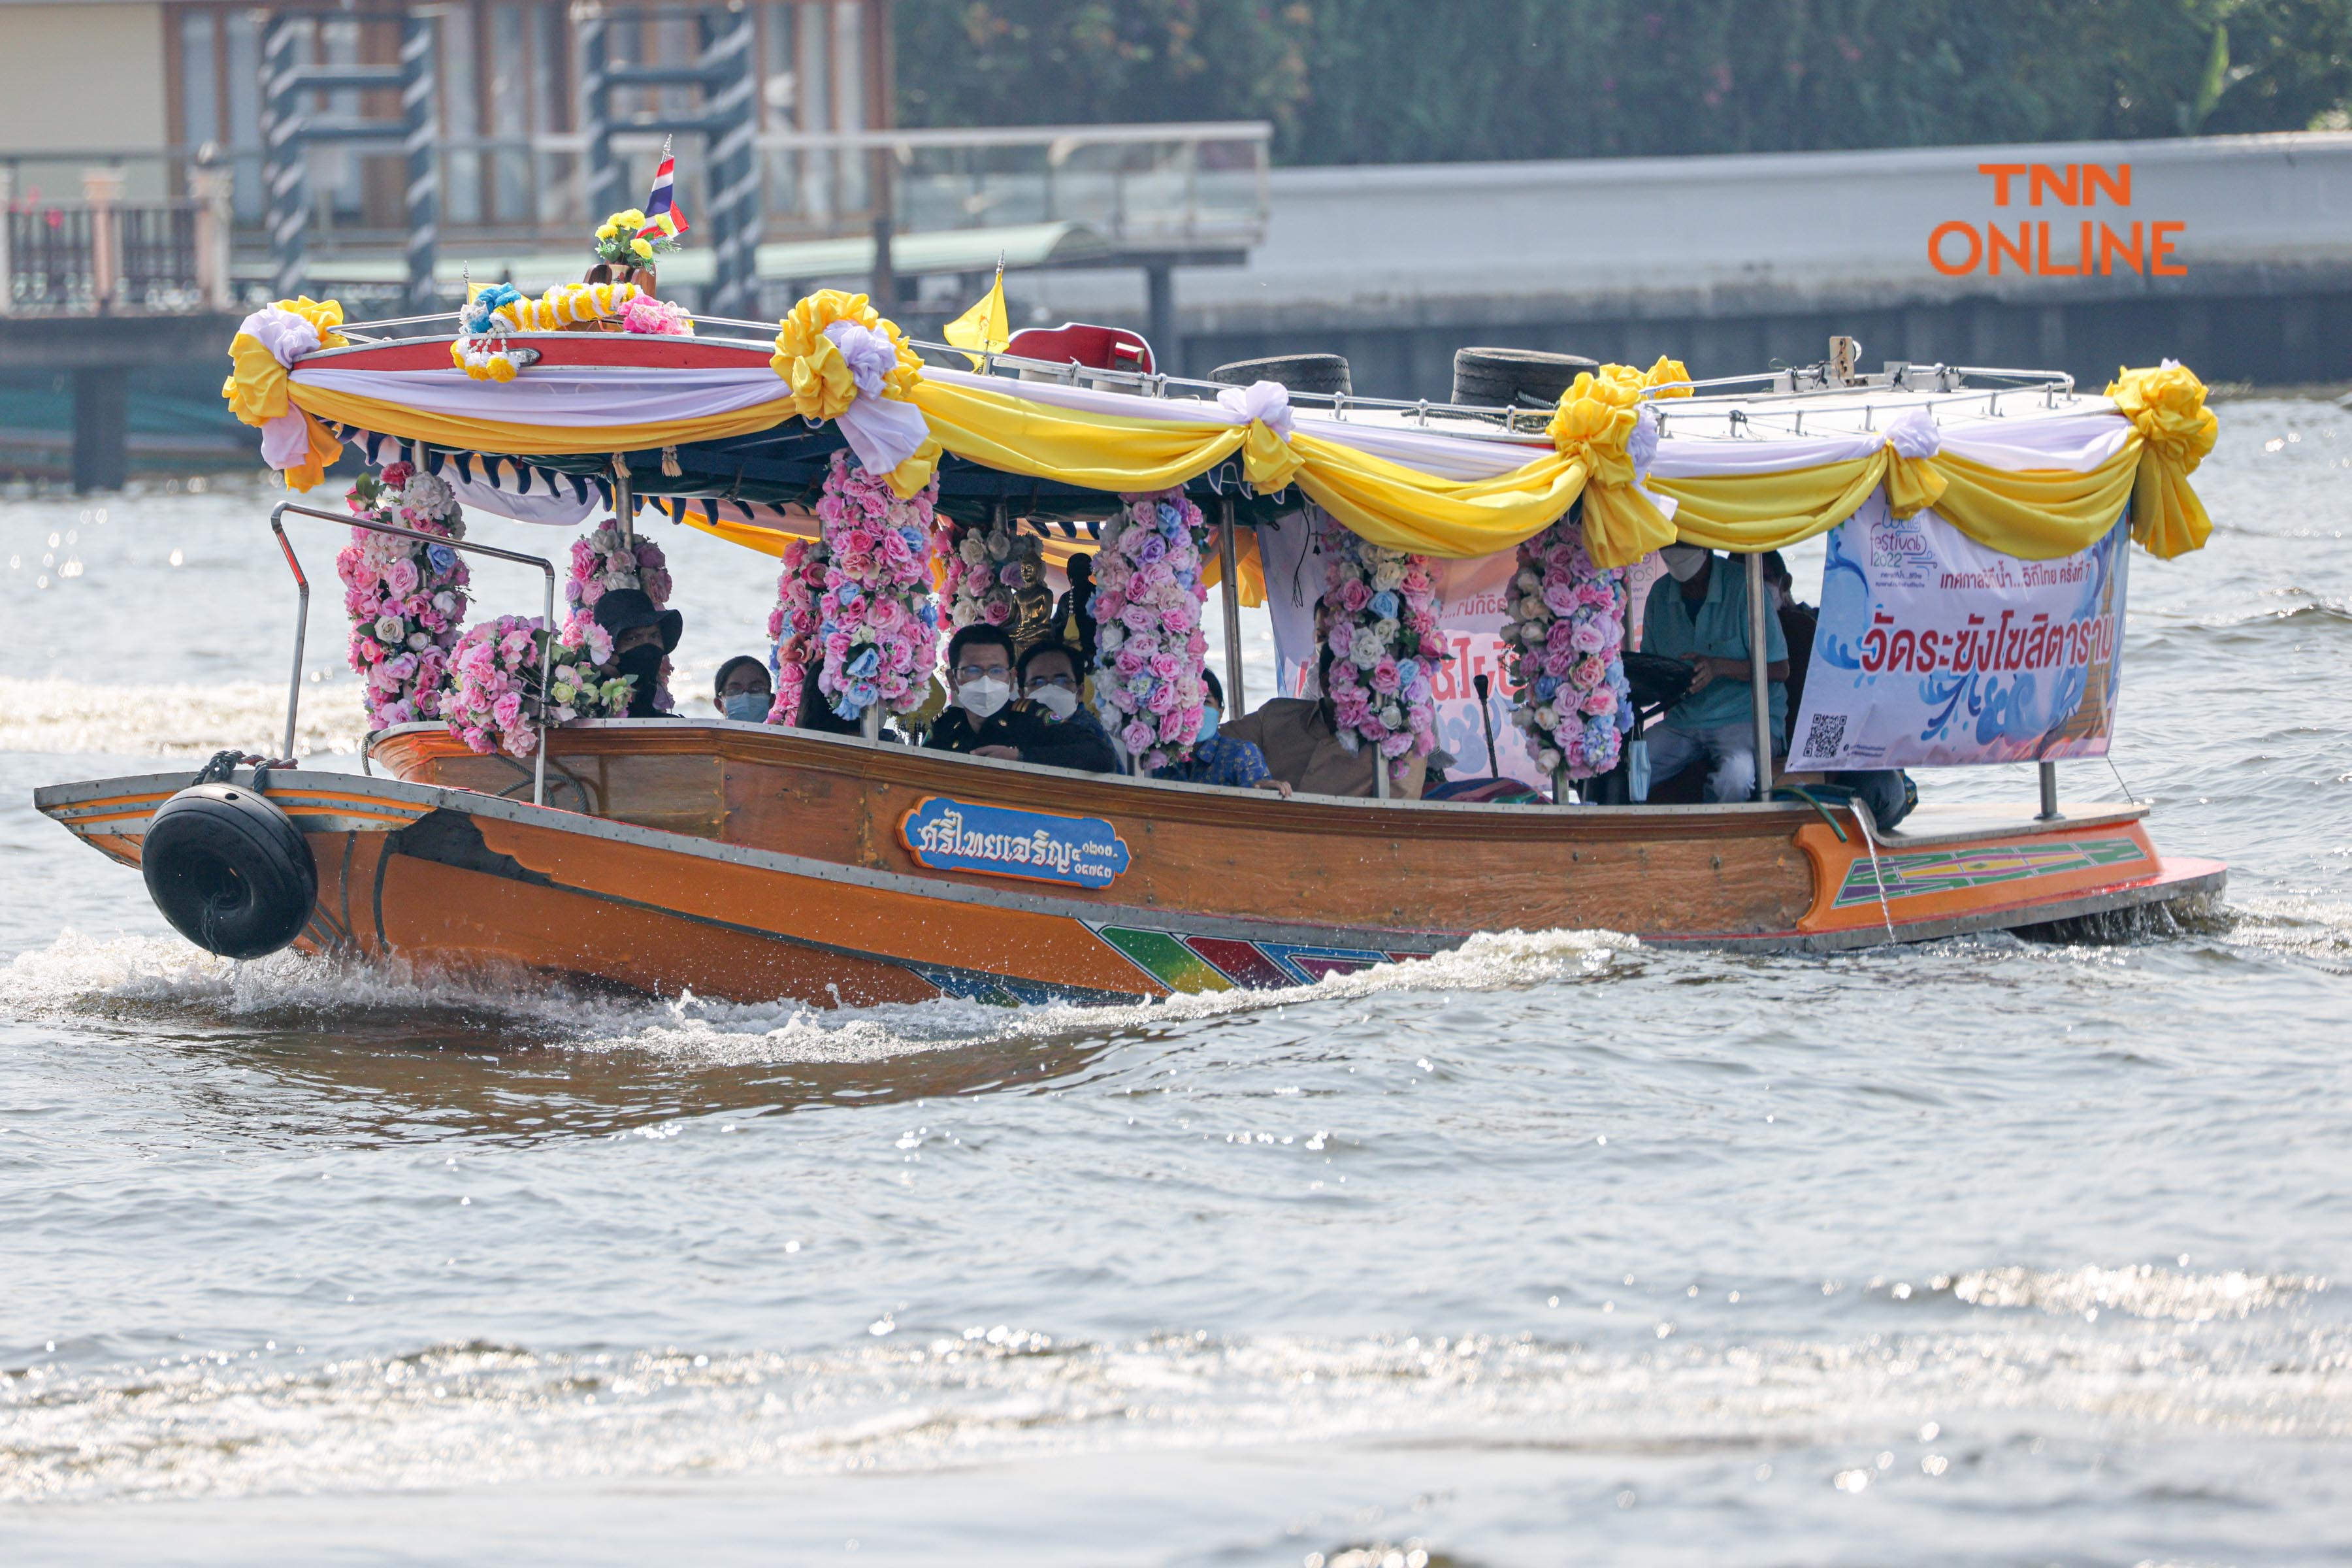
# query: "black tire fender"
1498,378
229,870
1299,373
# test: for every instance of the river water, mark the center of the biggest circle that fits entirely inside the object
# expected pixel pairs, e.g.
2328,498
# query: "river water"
1556,1248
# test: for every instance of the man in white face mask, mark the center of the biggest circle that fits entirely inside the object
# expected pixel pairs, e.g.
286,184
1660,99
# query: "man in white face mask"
985,719
1698,612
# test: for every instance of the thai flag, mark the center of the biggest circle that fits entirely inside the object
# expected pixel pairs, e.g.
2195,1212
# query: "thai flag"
663,214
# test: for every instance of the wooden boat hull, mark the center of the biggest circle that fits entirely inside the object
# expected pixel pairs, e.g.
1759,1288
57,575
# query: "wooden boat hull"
748,862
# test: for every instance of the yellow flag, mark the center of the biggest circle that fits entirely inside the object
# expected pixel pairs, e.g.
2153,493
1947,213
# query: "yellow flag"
983,330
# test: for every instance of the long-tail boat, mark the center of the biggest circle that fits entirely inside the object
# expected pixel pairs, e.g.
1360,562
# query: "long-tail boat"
753,860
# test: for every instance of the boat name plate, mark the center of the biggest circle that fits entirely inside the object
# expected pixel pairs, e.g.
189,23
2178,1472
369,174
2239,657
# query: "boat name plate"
948,835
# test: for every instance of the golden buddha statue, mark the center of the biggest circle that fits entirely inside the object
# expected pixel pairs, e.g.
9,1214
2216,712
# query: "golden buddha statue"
1033,602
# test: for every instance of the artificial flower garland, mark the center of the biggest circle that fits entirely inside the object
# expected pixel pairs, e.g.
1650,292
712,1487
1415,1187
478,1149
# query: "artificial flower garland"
657,318
1147,643
480,347
492,702
1385,642
815,346
793,624
602,561
1563,649
406,599
984,567
879,626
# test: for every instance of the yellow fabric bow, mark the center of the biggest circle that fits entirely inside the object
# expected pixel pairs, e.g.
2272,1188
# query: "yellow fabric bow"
2167,408
1913,484
808,360
1268,462
324,314
1669,377
1594,427
256,387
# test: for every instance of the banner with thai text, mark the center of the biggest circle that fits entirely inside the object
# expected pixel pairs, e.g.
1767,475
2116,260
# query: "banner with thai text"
1470,618
1934,651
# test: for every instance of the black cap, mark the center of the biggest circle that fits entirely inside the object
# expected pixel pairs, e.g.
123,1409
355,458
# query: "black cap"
626,609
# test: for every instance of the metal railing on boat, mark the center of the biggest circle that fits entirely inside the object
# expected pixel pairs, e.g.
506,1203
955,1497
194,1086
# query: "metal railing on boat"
303,614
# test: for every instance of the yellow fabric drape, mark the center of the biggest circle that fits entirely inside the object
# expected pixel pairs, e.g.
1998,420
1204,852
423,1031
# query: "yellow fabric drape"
1099,451
2035,515
258,390
2167,407
1385,502
410,423
1913,484
1249,568
1594,425
1749,513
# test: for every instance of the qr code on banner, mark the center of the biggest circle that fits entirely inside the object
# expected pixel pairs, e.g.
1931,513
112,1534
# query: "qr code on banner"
1827,737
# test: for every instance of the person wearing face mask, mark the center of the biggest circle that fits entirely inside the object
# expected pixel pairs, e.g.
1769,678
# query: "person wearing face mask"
1221,759
1050,677
1698,612
984,719
743,690
643,639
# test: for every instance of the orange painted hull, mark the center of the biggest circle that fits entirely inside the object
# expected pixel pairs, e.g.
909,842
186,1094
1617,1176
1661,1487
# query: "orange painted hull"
749,863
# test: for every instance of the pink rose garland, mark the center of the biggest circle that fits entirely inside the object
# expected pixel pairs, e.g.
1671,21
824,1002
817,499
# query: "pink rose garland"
602,561
1385,645
406,599
878,625
1149,645
983,567
1564,642
792,624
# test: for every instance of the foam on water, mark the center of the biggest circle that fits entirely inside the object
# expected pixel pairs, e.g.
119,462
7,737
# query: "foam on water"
164,977
242,1420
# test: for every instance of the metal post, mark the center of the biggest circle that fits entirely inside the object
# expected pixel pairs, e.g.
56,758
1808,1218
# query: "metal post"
546,675
1229,563
624,505
302,623
731,111
416,104
600,175
1159,292
285,150
301,628
1380,775
1760,687
870,723
2050,812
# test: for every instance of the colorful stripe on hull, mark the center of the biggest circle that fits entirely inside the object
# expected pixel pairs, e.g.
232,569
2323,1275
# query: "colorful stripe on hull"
1207,964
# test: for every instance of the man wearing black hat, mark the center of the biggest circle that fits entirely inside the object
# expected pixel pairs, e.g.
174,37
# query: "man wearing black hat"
643,639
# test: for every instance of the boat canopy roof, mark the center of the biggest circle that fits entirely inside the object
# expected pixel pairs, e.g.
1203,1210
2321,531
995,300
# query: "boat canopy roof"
713,429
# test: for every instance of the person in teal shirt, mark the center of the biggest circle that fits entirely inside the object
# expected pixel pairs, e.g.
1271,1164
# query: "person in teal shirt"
1698,612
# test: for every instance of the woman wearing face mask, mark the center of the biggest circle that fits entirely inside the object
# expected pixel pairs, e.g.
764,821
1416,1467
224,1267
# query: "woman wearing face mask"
643,639
985,719
743,690
1227,761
